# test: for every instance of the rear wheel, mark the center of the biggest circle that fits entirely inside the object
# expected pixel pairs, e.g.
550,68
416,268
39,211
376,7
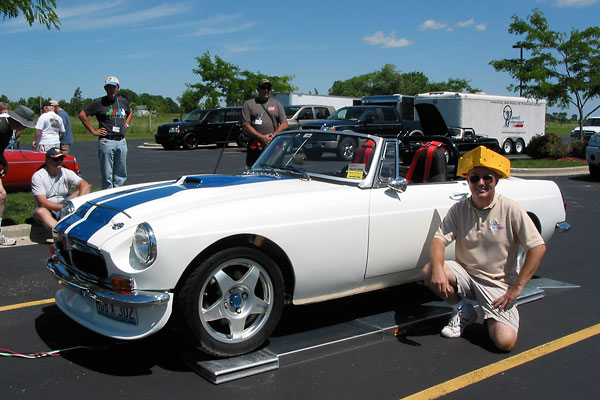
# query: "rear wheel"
190,141
507,146
242,139
519,146
346,149
232,302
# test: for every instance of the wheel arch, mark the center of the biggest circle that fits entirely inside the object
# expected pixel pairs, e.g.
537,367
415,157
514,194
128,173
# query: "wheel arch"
536,221
258,242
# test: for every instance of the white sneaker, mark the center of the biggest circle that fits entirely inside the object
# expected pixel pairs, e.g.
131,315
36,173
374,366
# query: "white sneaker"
459,321
4,241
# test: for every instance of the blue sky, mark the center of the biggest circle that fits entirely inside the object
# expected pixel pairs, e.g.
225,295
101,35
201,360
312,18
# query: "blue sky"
151,45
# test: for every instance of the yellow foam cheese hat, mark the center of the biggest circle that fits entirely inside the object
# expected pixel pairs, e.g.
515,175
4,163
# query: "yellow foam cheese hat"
483,157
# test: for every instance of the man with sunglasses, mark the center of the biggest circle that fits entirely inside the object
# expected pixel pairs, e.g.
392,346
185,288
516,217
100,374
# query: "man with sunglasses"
489,230
51,186
262,119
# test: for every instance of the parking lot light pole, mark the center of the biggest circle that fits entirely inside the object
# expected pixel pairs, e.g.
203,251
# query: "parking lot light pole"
516,46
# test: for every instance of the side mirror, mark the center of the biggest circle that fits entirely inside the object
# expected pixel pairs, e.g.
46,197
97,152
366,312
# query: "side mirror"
398,185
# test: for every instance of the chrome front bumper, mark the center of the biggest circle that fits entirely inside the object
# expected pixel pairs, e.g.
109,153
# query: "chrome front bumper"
136,298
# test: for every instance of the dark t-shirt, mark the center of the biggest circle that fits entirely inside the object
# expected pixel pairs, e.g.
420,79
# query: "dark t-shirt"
111,115
5,135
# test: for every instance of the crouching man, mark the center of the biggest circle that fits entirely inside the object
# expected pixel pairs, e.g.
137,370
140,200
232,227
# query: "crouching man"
51,186
489,230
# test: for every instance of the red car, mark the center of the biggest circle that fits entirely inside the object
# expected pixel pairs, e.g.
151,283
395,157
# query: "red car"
22,164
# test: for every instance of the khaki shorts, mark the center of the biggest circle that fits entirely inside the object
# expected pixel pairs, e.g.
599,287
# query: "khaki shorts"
484,293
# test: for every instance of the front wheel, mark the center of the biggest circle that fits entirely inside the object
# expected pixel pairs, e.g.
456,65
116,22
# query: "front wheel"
190,141
232,302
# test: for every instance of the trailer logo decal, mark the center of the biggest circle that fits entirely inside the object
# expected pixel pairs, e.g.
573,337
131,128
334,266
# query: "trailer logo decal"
510,120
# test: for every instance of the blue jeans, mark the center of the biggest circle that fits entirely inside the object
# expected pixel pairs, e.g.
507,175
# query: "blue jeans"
113,162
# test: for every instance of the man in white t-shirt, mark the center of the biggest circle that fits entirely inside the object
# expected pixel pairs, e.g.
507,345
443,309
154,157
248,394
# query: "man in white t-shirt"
49,129
51,186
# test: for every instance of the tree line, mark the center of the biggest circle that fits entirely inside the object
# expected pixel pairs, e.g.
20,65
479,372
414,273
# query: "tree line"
152,102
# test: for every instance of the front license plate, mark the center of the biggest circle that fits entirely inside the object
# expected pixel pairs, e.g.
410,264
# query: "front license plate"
116,311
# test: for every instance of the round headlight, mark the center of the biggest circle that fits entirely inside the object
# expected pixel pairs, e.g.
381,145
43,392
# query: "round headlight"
66,209
144,244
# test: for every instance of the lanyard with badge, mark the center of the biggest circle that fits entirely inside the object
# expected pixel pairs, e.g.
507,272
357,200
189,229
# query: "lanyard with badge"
117,129
258,120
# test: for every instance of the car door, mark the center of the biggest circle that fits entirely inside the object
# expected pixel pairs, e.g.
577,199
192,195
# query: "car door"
401,225
213,127
370,121
231,128
390,125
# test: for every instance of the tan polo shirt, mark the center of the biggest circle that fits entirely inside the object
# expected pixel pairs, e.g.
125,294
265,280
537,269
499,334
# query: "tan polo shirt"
488,240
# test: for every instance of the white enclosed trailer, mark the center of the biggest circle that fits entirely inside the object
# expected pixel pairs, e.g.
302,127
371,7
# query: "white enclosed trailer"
511,120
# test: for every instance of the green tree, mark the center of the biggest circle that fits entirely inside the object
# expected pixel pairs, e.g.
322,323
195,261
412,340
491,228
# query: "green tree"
564,69
224,81
76,104
388,80
36,10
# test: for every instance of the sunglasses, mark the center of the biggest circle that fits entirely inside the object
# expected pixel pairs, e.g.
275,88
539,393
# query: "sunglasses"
488,178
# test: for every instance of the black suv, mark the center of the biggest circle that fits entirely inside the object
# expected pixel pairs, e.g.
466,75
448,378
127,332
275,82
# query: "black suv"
375,120
214,125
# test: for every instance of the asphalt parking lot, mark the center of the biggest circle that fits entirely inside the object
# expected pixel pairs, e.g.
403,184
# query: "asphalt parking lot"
389,367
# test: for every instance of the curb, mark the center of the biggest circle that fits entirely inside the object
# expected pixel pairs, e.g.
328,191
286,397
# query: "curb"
583,170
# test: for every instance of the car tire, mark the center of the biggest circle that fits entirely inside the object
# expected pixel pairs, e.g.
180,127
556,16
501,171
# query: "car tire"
242,139
519,146
190,141
346,149
232,302
507,146
594,171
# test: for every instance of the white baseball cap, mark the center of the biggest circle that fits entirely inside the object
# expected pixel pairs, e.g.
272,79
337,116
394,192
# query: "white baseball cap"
111,80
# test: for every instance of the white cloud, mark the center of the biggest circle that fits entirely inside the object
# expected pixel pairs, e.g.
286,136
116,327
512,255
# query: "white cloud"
481,27
574,3
432,24
465,24
379,38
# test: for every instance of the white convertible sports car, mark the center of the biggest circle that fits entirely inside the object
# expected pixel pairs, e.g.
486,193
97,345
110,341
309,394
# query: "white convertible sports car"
224,254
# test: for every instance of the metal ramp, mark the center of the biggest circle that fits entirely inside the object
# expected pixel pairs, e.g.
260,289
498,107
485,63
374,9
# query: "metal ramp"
300,346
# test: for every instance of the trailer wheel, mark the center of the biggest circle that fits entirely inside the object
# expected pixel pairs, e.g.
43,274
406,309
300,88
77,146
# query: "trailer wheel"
507,146
519,146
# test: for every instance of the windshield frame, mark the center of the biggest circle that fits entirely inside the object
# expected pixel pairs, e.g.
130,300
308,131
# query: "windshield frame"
278,160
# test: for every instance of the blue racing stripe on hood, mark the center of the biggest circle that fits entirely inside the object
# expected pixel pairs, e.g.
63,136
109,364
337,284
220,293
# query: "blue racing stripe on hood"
106,207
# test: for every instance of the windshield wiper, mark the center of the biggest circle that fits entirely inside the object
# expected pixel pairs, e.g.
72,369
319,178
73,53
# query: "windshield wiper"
295,169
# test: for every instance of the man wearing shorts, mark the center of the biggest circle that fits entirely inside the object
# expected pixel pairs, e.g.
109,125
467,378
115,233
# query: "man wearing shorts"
490,231
51,186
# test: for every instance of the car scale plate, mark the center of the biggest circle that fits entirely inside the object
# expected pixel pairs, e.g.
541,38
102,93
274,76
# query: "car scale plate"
116,311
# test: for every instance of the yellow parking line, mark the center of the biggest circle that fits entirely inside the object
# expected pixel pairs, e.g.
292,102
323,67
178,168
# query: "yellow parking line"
28,304
506,364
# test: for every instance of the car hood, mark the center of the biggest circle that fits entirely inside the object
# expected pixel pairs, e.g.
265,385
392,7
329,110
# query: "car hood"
327,123
180,123
192,200
432,122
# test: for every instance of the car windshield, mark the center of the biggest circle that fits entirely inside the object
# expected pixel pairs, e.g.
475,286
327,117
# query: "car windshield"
592,122
291,110
309,155
348,113
195,115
